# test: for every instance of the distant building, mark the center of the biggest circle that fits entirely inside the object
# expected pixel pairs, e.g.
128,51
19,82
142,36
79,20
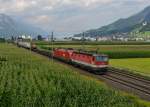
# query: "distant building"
144,23
45,39
42,38
77,38
90,38
25,37
139,39
67,39
104,38
39,37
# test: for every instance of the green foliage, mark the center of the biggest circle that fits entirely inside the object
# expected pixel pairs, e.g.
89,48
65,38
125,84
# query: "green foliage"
40,43
2,40
128,54
113,51
145,28
29,80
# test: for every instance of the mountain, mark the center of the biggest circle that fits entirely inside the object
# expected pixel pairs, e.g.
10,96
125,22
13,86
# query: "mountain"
140,22
11,27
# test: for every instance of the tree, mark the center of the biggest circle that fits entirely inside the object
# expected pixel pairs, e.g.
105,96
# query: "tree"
39,37
2,39
12,38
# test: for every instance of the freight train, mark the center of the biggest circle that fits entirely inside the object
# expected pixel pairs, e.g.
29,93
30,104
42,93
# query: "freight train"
27,45
97,63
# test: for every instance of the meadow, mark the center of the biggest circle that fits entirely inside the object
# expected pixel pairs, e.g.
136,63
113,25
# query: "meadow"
92,43
113,51
136,65
31,80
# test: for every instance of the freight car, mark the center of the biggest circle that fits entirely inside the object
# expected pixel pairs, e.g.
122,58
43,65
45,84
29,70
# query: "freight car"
91,61
27,45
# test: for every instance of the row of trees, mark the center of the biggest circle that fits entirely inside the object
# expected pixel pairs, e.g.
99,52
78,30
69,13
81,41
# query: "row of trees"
2,40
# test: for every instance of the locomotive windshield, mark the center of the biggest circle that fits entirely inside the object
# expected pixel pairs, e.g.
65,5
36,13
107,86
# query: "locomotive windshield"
102,58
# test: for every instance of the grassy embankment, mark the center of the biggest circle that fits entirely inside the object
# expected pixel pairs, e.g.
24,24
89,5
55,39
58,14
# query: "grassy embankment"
32,80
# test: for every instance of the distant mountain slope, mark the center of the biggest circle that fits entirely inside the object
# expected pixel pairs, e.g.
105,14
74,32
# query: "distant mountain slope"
10,27
124,25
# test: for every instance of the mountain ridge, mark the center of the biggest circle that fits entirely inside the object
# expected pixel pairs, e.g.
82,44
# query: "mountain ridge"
11,27
123,25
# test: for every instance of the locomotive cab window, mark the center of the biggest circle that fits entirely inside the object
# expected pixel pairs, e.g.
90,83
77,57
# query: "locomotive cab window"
102,58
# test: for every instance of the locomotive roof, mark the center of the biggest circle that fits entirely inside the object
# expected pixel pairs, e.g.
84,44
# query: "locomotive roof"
90,54
81,52
64,49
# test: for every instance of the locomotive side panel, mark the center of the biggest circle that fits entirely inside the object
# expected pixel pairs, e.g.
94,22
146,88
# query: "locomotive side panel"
81,58
96,63
62,54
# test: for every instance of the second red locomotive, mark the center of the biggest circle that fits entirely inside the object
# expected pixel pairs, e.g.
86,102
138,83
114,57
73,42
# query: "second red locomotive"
94,62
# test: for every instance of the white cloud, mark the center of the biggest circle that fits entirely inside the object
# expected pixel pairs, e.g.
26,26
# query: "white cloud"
42,19
71,15
86,2
22,5
17,5
27,5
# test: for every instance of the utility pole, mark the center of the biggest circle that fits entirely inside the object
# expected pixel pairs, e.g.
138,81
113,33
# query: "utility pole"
83,40
52,48
52,39
30,43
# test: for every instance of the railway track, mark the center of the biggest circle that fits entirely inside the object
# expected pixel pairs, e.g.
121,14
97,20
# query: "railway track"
129,74
140,87
119,79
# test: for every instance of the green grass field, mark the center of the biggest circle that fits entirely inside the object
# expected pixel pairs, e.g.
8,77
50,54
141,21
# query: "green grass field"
137,65
93,43
29,80
113,51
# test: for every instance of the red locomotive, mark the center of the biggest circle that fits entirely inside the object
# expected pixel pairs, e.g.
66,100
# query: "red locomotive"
94,62
63,54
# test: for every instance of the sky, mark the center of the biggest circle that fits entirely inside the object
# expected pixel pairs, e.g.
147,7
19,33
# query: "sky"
67,17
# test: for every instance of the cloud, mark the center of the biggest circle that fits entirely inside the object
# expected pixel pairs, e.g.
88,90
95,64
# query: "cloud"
16,6
23,5
71,15
41,19
86,3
